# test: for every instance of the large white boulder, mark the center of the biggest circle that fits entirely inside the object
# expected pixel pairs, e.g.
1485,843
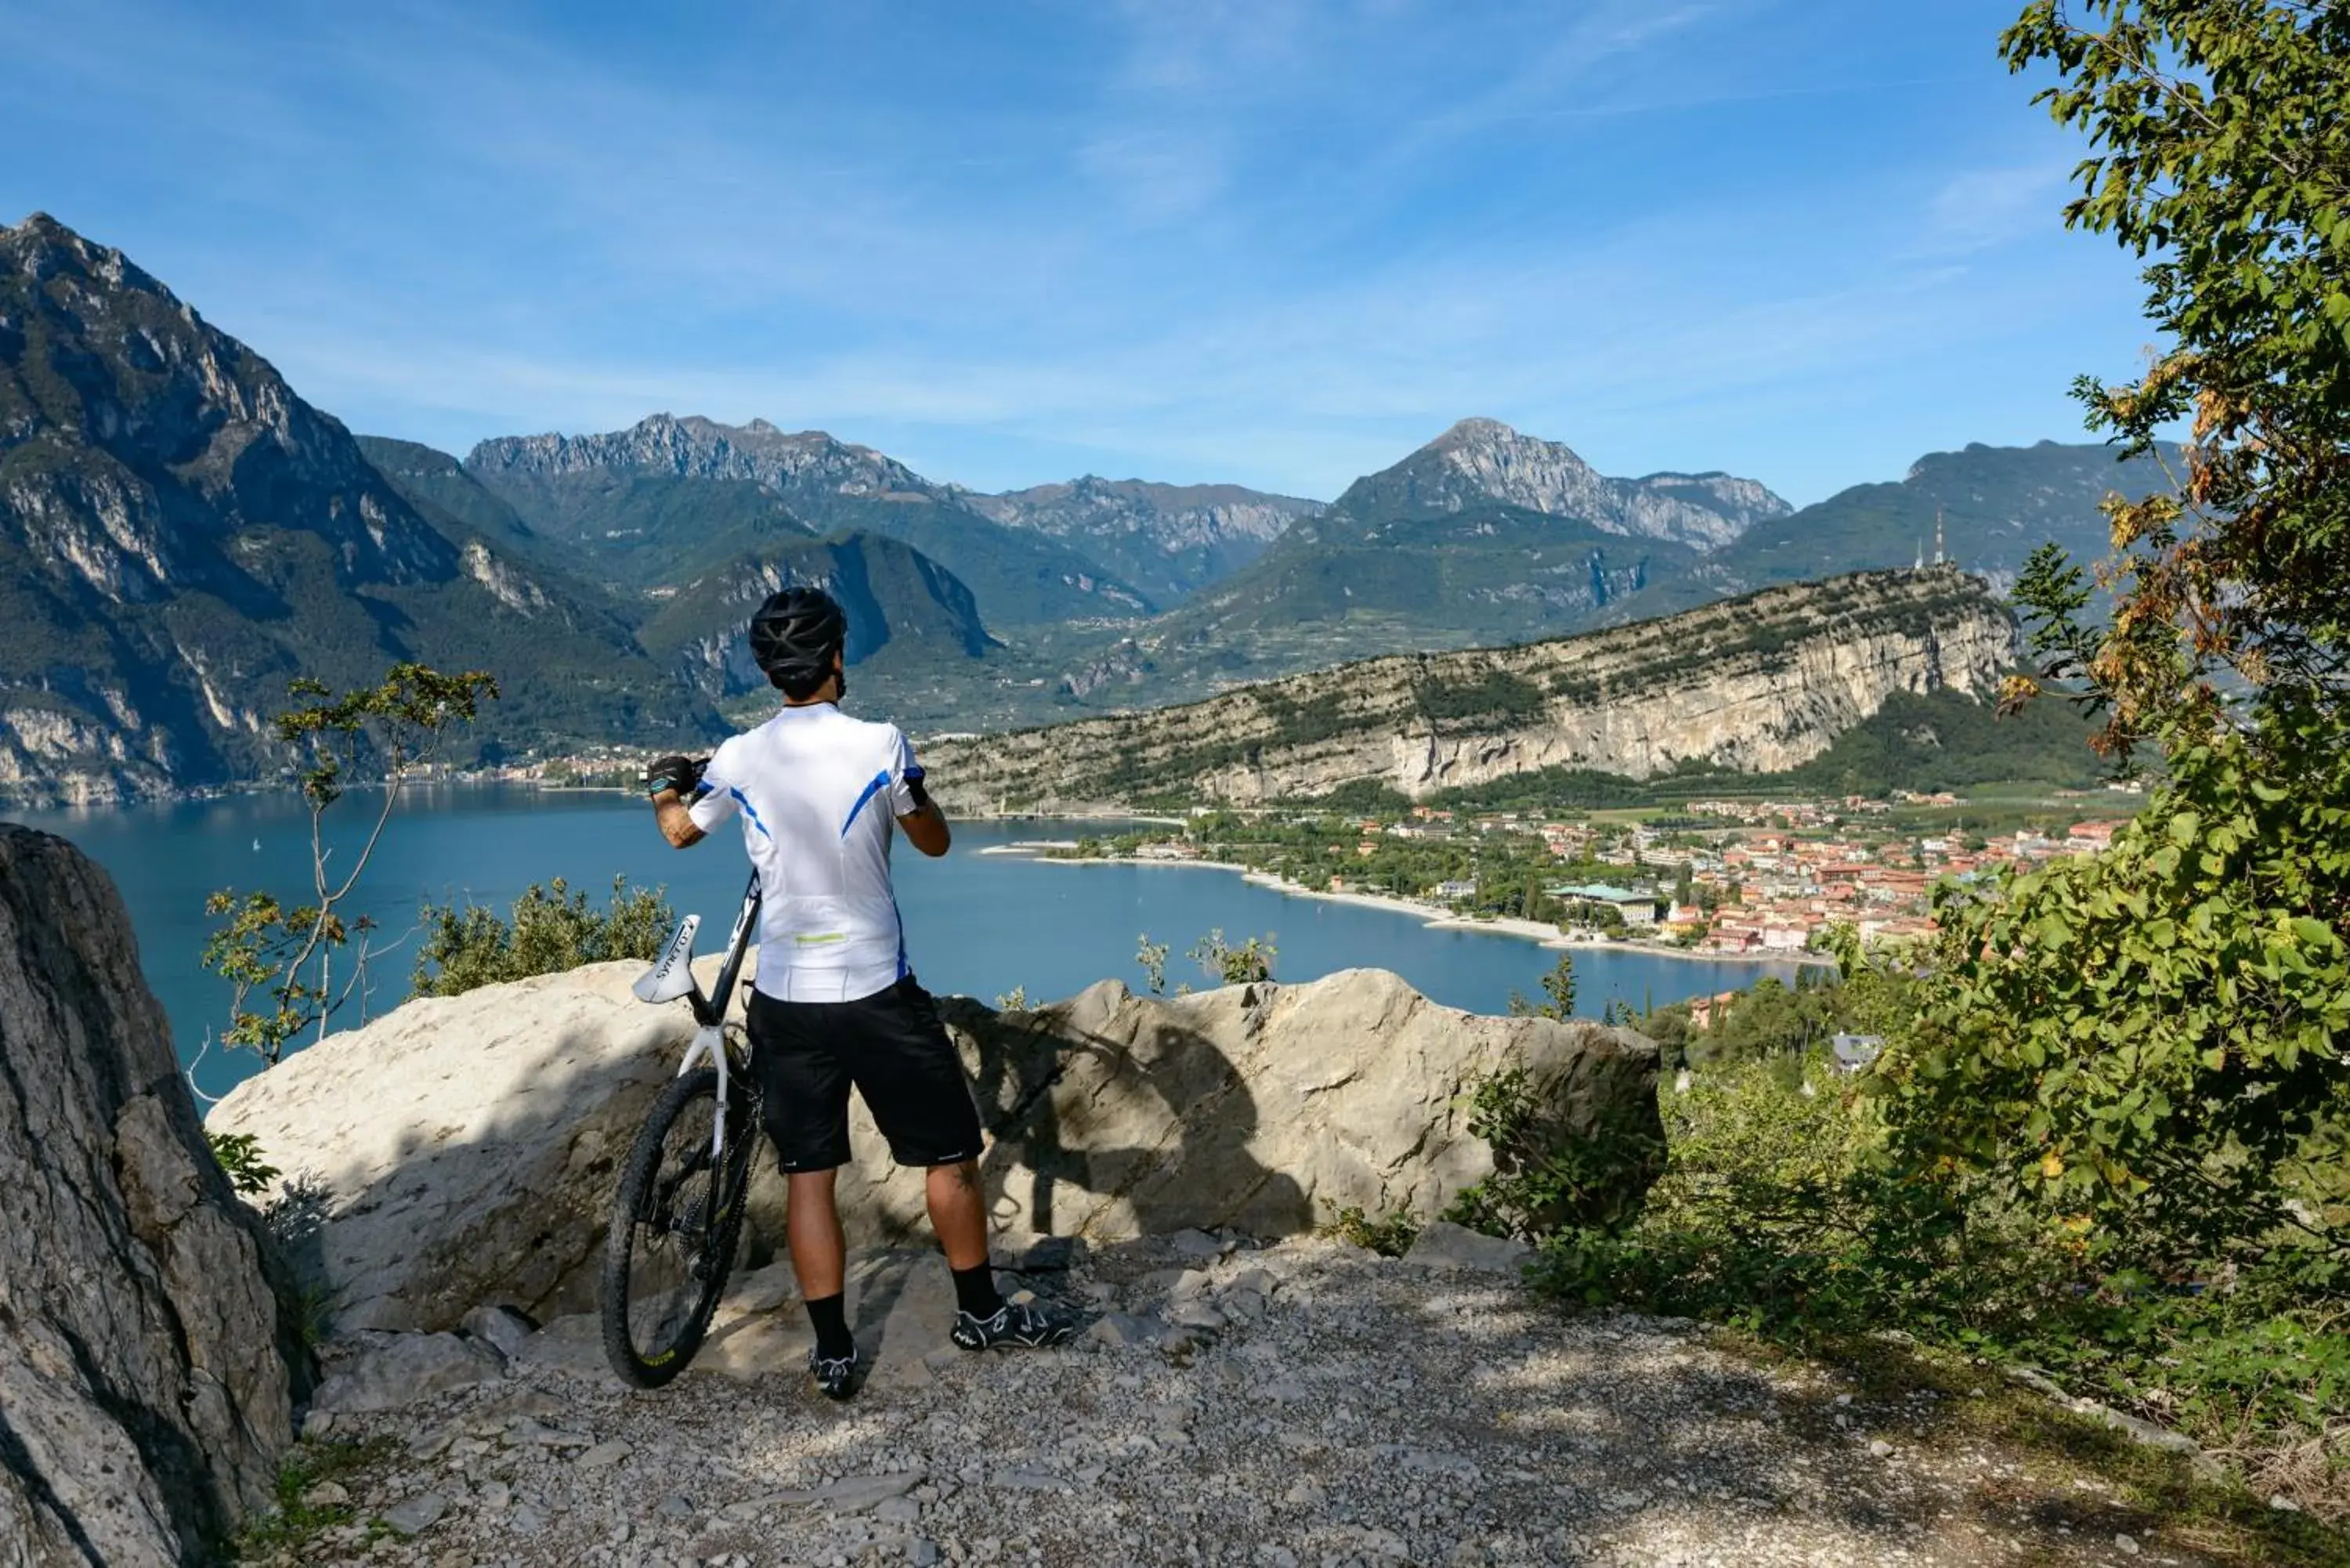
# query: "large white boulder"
464,1150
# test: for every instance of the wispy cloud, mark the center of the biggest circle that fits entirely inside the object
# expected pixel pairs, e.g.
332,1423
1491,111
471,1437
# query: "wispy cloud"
1270,241
1976,209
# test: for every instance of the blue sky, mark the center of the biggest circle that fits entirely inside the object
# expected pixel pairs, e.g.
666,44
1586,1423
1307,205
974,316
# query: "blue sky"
1273,243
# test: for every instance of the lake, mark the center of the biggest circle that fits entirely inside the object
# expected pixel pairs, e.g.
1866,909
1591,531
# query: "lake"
977,924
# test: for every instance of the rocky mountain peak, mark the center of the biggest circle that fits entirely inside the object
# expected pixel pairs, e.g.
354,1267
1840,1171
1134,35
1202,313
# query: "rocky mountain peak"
41,247
137,407
1475,431
1481,461
181,534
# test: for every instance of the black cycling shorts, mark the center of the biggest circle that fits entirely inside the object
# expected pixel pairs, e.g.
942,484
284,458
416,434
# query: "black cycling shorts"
891,1047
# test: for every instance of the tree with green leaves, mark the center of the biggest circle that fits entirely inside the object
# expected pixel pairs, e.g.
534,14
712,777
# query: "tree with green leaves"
284,952
2151,1041
2220,151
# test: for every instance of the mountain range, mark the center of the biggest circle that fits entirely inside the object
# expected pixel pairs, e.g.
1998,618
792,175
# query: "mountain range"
1167,539
1485,536
181,534
581,488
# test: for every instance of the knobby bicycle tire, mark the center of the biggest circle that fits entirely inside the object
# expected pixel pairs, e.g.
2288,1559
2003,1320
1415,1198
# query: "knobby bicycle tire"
665,1204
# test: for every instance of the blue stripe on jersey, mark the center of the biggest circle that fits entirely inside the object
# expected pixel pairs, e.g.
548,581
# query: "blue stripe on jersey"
744,801
880,782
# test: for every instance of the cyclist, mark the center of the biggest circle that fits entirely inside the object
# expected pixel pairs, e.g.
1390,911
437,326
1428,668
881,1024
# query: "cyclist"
835,1003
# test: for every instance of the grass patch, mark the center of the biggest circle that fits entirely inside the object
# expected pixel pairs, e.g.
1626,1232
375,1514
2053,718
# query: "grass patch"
1390,1235
287,1531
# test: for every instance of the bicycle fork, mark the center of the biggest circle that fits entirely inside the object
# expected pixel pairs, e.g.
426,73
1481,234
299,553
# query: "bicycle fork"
710,1041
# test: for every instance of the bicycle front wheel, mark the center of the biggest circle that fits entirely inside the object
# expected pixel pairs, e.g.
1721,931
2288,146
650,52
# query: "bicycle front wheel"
675,1222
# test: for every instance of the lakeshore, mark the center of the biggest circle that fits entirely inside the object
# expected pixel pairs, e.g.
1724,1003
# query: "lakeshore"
1431,916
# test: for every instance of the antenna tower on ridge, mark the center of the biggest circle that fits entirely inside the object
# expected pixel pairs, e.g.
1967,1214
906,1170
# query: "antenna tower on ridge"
1941,555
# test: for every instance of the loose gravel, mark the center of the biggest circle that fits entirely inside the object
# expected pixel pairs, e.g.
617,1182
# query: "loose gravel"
1302,1403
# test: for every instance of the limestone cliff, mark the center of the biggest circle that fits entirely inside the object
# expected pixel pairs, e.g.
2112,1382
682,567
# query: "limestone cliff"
1760,684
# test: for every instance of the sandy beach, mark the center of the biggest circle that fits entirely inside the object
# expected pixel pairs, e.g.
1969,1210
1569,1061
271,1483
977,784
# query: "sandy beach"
1430,915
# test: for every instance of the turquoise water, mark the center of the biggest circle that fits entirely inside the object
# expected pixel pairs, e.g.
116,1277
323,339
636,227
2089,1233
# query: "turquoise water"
977,924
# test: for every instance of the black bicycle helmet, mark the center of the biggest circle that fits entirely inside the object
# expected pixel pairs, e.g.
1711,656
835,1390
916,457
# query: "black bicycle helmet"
794,637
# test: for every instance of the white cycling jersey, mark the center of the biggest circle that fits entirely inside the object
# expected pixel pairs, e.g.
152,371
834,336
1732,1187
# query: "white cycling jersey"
819,794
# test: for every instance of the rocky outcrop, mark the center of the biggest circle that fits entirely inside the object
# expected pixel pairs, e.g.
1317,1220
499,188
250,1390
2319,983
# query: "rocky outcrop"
464,1149
1264,1108
1759,684
467,1146
143,1396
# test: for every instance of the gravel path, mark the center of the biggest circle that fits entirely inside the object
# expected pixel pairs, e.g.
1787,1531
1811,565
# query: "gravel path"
1306,1403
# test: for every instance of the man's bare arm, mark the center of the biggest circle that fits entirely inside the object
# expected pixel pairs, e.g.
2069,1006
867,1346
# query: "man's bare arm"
926,824
676,822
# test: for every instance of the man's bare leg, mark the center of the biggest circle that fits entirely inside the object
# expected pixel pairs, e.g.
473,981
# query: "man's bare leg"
812,1229
983,1319
820,1263
958,1214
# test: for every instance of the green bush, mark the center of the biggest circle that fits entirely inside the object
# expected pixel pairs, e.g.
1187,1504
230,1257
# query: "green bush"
1246,964
1544,1178
2153,1038
1558,991
552,930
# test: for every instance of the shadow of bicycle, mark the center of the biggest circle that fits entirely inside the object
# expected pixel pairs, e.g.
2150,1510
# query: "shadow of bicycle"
1098,1125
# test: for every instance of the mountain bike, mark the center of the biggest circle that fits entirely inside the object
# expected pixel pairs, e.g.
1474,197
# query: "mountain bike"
677,1216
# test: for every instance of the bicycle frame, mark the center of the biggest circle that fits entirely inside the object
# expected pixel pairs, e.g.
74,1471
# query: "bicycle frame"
674,977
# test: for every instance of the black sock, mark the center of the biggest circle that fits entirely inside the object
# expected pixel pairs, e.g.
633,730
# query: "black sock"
976,1291
830,1316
